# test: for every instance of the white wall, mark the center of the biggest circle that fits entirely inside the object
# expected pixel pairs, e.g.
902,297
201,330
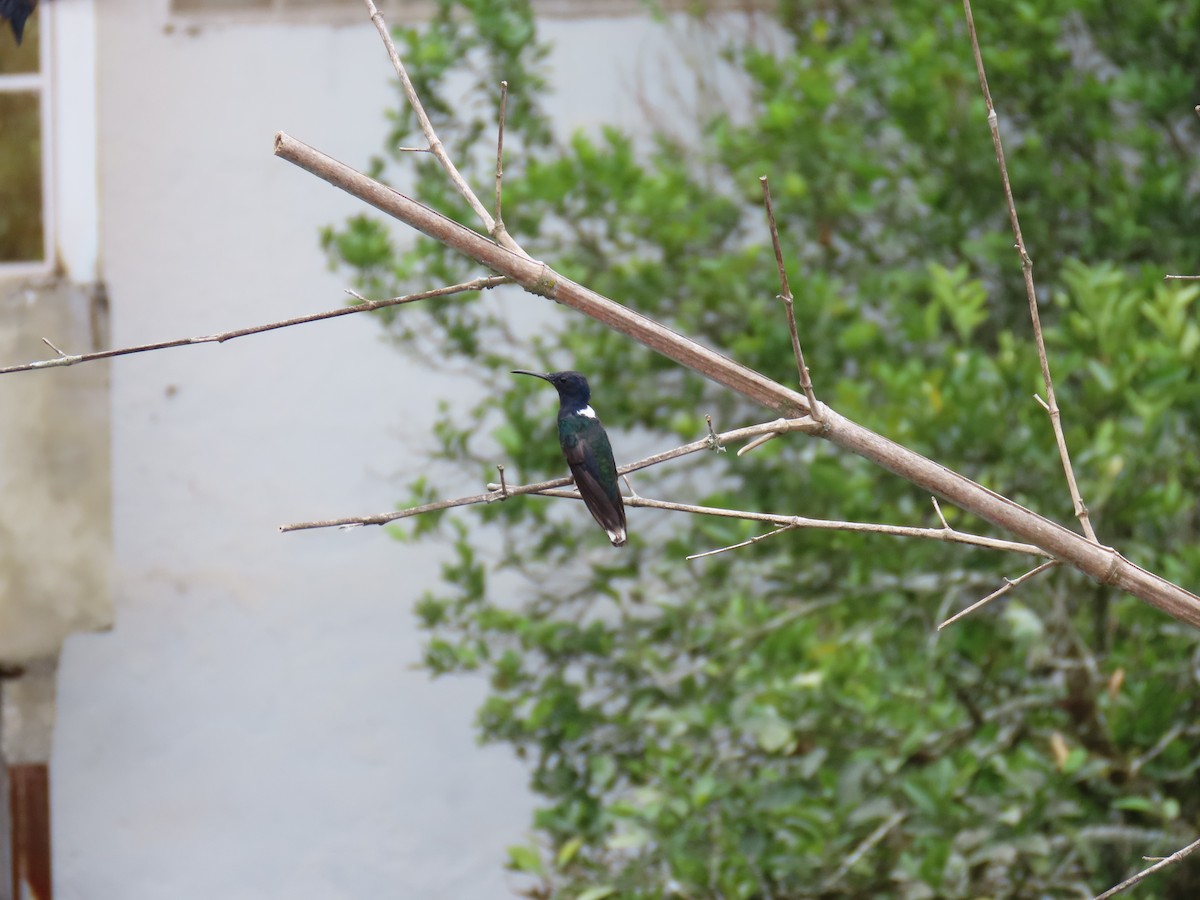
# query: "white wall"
253,727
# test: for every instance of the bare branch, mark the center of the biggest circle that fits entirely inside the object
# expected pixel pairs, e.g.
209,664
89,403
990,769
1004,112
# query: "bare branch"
788,304
865,847
500,151
1081,511
1009,584
1177,856
788,522
1104,564
503,484
739,546
46,341
738,434
1181,278
435,143
478,284
558,488
714,440
757,442
938,509
1168,738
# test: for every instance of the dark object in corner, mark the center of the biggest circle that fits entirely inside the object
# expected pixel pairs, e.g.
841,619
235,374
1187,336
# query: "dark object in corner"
16,12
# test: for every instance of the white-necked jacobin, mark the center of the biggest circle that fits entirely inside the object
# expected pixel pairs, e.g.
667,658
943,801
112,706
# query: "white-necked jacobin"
588,452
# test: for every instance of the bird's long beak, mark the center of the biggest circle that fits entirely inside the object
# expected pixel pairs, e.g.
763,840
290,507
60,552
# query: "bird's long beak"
534,374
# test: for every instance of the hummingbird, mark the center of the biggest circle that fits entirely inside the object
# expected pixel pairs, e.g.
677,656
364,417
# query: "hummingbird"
588,452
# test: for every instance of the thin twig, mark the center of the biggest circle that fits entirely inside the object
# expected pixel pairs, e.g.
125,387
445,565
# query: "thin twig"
500,151
785,523
435,143
788,304
629,486
714,442
757,442
865,847
46,341
555,488
1081,511
503,485
1168,738
1181,278
1009,584
1141,876
738,434
938,509
933,534
477,284
739,546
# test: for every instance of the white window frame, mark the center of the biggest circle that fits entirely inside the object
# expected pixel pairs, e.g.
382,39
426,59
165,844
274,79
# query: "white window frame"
66,88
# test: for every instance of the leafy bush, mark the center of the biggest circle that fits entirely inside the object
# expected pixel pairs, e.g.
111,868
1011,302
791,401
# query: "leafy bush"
784,720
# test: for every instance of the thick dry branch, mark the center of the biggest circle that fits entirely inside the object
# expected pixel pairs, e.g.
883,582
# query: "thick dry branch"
1081,510
63,359
1141,876
1009,584
1104,564
538,278
435,143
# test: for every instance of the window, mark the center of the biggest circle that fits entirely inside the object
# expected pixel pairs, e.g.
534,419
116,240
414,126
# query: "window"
49,203
24,154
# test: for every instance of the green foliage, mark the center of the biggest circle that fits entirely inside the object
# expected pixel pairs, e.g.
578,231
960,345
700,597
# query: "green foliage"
782,721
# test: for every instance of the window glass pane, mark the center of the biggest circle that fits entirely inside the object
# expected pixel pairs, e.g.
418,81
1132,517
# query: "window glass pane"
21,60
20,178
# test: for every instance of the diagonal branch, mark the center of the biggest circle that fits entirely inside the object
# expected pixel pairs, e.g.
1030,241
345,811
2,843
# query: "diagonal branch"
865,847
478,284
1104,564
788,303
435,143
746,543
1141,876
1081,511
1009,584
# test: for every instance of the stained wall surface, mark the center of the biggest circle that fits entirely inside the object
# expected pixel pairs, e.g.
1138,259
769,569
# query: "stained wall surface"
254,725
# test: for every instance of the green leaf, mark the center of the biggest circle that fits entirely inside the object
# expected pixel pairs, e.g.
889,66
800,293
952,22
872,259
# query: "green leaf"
568,850
523,858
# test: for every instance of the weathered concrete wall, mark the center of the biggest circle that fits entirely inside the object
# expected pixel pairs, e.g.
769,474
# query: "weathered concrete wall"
55,531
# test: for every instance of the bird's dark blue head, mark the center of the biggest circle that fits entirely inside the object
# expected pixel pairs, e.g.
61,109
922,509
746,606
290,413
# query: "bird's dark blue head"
573,390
